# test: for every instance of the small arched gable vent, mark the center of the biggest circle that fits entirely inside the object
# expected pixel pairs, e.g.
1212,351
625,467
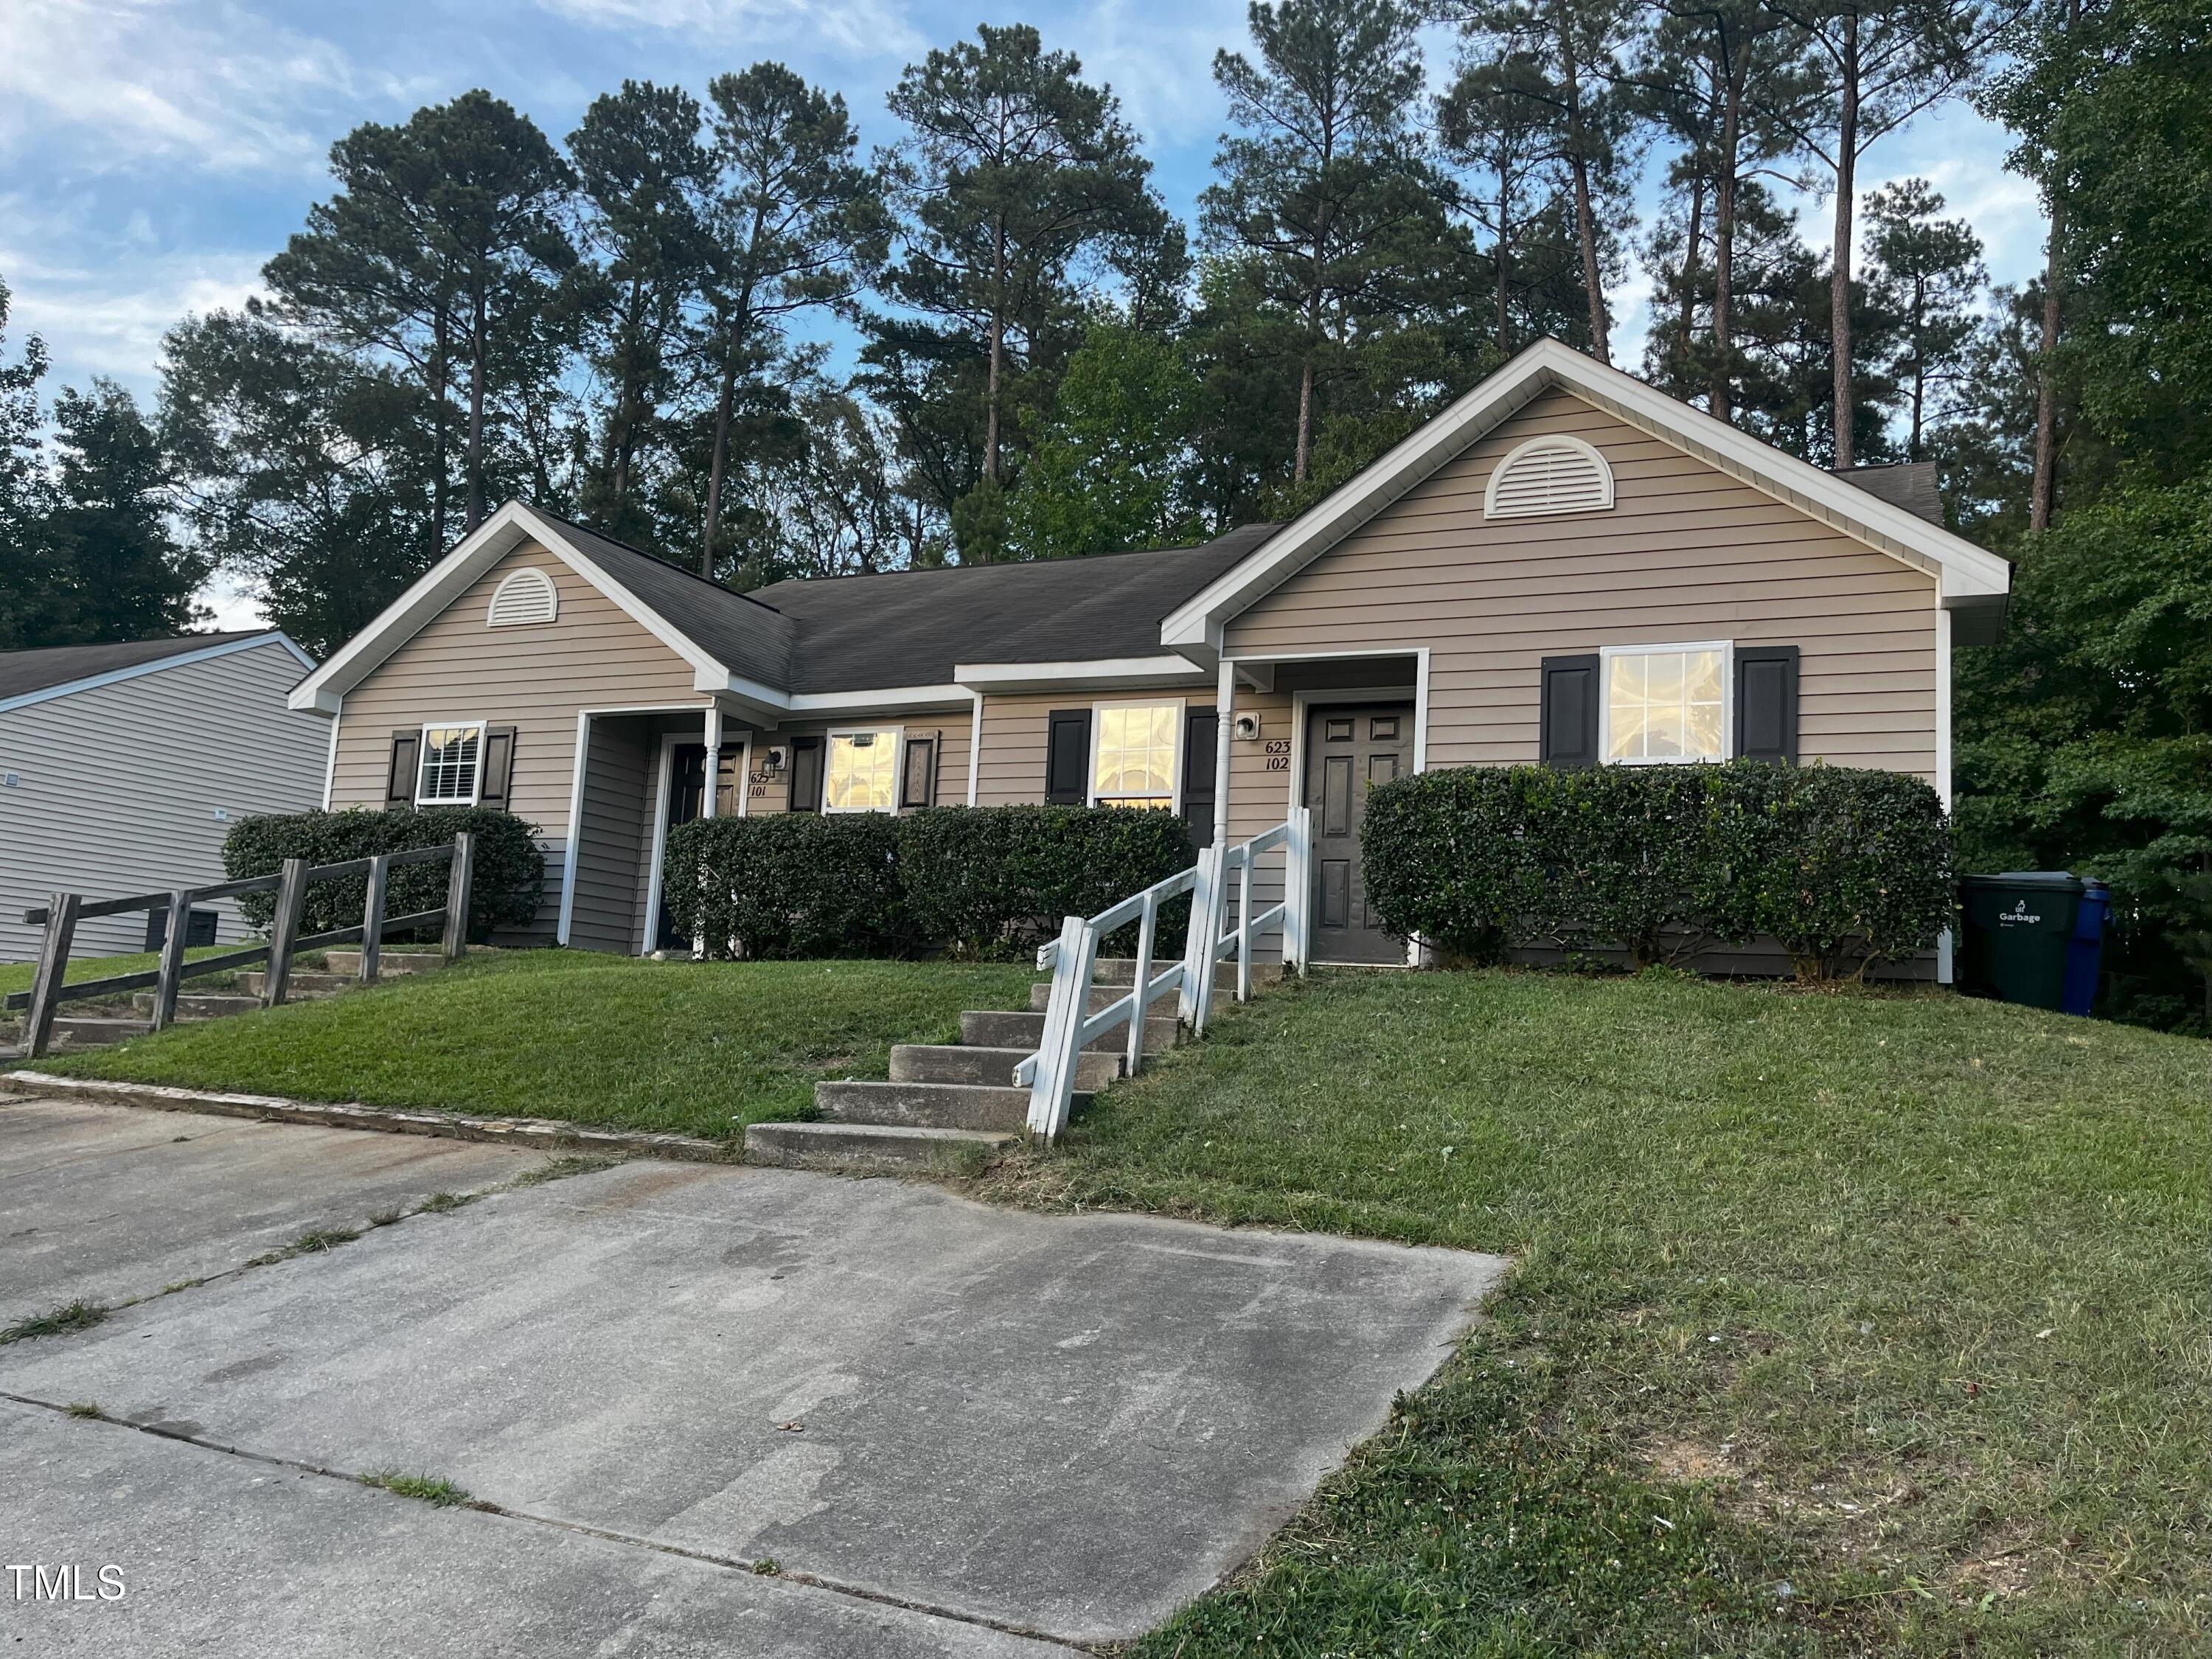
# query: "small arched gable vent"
1549,475
527,596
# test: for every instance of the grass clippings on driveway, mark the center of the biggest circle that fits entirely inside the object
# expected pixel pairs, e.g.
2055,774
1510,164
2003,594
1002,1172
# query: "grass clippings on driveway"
1841,1323
698,1049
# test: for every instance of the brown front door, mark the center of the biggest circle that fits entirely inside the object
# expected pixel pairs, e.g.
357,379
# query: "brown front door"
1347,748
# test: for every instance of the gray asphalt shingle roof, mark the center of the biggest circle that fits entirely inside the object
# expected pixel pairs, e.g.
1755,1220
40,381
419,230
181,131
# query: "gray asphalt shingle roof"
22,671
741,633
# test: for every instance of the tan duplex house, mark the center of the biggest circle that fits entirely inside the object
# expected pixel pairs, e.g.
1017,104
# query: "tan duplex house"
1565,567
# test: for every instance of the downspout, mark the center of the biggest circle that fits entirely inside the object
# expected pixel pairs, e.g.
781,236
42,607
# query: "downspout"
1946,946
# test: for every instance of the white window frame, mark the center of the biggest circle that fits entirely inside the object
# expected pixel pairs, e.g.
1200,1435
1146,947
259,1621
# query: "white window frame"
475,774
1180,705
897,734
1606,656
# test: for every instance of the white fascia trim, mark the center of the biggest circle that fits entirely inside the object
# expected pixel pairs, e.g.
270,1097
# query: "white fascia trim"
891,699
507,528
1116,673
1962,570
116,676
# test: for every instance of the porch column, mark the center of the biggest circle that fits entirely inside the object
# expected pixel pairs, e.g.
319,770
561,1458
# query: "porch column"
713,758
1224,710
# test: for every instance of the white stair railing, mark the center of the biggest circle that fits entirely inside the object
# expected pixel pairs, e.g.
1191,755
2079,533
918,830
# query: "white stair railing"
1070,1027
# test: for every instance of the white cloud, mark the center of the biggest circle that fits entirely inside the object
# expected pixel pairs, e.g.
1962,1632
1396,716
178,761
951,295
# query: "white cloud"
104,311
1160,62
235,608
118,83
861,28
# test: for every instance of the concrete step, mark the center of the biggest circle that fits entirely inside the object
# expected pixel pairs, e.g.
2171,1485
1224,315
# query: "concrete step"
887,1147
95,1030
388,962
1163,1006
304,983
1122,970
948,1062
200,1005
994,1028
926,1105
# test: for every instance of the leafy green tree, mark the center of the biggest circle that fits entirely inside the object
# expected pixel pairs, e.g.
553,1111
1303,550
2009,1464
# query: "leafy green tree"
1018,180
1109,469
794,221
20,420
642,172
1929,275
300,467
1324,184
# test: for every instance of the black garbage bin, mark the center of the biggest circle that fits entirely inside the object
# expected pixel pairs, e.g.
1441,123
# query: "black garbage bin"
2017,928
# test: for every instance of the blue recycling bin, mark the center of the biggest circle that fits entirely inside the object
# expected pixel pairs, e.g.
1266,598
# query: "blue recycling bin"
2085,948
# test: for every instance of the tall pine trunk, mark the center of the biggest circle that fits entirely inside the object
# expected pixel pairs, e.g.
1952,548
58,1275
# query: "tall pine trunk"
476,512
1721,393
1693,241
1839,279
998,350
2042,490
440,384
1578,171
722,403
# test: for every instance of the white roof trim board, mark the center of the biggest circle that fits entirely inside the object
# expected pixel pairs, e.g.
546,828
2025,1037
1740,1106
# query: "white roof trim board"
1965,574
116,676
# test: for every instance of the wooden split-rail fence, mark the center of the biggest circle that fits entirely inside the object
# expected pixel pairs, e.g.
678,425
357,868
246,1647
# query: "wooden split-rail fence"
49,984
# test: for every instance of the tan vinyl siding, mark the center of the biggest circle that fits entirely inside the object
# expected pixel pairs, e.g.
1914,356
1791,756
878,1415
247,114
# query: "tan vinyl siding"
1687,553
1012,772
614,827
535,678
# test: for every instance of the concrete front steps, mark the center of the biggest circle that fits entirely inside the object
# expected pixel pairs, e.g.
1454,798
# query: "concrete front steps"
97,1025
946,1104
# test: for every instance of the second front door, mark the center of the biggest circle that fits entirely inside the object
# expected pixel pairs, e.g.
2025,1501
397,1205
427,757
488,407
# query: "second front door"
1348,749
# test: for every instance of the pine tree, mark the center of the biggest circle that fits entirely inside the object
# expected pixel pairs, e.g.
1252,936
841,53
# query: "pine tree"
1929,275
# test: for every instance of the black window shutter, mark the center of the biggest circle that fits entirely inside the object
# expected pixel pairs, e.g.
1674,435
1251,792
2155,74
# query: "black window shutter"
918,775
1569,699
807,774
498,768
1201,742
1068,757
1766,702
406,758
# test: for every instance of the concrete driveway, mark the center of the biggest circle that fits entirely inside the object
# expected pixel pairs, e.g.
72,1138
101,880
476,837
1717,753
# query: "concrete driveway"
946,1426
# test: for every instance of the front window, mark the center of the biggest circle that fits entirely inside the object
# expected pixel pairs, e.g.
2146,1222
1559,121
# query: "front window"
1134,764
1665,705
863,772
448,777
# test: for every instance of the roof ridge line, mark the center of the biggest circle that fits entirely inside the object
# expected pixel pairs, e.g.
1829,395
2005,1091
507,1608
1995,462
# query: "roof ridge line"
647,553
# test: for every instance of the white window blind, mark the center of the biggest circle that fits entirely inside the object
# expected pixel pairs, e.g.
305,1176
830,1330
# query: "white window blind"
863,772
1135,762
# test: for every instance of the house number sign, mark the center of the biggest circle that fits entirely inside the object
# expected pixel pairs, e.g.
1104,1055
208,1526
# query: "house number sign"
1279,754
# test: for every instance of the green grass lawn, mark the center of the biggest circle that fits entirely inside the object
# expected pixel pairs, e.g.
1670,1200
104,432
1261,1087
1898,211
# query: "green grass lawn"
1898,1301
699,1047
16,976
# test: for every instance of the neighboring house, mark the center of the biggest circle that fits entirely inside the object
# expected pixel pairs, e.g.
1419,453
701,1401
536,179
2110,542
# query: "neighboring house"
1565,566
123,767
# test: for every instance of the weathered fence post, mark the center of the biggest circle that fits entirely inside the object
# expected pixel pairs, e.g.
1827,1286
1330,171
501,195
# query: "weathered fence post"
172,959
53,968
1196,978
456,896
283,930
372,917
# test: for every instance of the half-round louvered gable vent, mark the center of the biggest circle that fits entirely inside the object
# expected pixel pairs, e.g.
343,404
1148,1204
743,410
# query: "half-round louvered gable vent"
1549,475
527,596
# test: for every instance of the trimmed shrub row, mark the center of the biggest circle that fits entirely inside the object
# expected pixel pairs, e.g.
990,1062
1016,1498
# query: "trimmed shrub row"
988,881
1846,868
504,887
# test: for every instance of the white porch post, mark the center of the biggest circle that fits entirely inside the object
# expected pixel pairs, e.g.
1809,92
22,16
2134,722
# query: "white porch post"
1224,710
713,758
976,749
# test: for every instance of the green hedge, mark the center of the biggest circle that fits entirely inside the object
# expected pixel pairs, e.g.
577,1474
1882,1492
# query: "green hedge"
974,881
1845,868
504,886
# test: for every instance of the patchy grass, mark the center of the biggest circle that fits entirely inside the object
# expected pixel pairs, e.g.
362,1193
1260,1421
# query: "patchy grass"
1840,1322
701,1048
17,975
434,1490
74,1316
85,1408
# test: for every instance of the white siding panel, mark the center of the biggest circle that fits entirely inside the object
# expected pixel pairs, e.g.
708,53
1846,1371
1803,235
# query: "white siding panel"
132,787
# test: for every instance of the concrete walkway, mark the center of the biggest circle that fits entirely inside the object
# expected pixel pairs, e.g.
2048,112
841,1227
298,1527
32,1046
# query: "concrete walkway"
103,1204
1065,1427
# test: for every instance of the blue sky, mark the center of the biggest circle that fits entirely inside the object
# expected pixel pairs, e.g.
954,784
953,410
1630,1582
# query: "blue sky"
153,152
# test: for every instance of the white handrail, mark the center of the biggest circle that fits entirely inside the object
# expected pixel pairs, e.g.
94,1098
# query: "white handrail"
1070,1026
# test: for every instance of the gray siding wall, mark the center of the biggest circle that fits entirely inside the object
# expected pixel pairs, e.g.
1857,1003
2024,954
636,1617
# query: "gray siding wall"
132,787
